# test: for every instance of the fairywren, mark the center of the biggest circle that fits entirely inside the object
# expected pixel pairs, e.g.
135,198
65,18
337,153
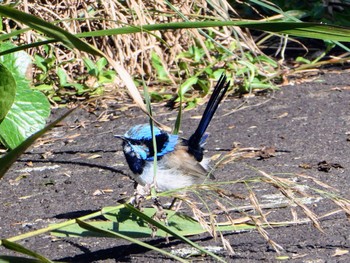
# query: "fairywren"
179,161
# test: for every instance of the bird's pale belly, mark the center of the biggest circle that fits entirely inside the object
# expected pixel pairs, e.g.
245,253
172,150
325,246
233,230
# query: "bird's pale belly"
167,178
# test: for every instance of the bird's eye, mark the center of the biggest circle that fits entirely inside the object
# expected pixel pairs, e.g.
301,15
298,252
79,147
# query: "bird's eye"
136,142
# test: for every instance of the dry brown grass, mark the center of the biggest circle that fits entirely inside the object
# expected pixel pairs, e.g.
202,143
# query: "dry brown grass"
132,51
295,199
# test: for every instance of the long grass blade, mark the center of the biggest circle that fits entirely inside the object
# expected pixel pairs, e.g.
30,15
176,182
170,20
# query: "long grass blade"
49,29
301,29
21,249
171,232
7,160
113,234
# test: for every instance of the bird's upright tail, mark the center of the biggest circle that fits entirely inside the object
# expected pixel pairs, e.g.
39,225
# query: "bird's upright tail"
196,140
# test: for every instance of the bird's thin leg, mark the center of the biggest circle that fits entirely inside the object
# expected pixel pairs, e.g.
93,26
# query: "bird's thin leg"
172,204
159,215
139,196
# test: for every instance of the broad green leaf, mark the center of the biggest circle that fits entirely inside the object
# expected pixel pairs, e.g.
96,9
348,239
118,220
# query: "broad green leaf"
139,229
7,91
93,228
125,222
187,85
21,249
90,66
19,61
74,230
171,232
176,221
62,76
159,67
27,115
29,110
101,64
131,223
204,85
7,160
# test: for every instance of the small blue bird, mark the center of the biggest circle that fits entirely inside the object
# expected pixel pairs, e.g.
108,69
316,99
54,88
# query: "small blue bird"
179,161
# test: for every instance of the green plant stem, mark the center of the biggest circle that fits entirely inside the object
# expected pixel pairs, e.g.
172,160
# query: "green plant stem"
171,232
308,30
63,224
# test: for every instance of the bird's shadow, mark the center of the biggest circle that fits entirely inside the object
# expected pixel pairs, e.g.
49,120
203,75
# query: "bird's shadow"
81,163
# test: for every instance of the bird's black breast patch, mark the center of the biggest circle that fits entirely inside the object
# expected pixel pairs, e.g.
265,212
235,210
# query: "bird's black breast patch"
135,162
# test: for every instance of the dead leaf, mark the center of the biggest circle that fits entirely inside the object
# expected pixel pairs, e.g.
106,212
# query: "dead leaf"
305,165
340,252
285,114
97,193
30,164
46,155
267,152
94,156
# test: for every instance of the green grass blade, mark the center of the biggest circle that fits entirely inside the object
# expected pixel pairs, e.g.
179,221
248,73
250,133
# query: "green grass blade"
7,160
199,30
27,46
7,91
21,249
49,29
122,220
274,8
60,225
13,33
13,259
132,240
171,232
301,29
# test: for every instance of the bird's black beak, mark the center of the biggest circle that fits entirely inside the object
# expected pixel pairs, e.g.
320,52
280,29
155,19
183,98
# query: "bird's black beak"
120,137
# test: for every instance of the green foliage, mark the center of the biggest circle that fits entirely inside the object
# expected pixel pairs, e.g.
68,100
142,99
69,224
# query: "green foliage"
49,29
246,69
7,91
99,70
251,72
45,64
159,67
129,222
61,87
27,115
125,222
8,159
6,162
330,12
29,110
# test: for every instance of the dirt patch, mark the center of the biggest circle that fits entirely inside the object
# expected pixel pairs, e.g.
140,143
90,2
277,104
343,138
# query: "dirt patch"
64,175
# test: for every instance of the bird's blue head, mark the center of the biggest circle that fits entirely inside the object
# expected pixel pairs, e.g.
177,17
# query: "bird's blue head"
138,145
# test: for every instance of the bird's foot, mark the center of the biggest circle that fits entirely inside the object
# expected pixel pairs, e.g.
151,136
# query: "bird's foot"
139,196
159,215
